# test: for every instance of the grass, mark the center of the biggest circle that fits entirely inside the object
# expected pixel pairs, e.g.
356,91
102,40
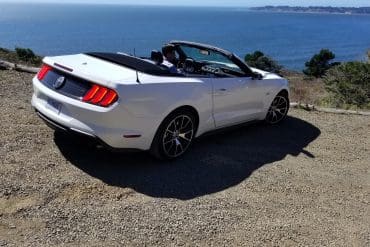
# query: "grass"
304,89
312,91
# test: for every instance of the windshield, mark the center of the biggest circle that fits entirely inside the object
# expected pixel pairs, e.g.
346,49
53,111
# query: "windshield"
210,57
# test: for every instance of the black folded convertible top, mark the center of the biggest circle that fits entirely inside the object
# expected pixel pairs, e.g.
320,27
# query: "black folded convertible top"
131,62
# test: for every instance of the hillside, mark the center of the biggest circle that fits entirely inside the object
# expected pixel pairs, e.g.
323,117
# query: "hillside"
315,9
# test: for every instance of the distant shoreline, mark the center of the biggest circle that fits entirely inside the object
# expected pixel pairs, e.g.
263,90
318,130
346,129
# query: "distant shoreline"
314,10
308,13
267,9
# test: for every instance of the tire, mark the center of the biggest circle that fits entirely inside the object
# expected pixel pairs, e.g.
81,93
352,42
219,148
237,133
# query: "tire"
278,110
174,136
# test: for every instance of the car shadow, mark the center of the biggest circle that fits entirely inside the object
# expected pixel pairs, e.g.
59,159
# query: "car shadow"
214,163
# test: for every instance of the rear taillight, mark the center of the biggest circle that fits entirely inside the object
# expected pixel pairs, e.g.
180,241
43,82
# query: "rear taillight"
99,95
43,71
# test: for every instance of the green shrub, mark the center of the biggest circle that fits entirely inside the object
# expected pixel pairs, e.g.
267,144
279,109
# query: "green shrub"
25,54
349,84
20,56
320,63
260,61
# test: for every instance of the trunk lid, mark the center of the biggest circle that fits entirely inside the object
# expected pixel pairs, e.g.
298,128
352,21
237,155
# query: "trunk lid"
92,69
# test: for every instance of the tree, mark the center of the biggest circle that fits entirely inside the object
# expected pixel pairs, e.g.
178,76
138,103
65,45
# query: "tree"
320,63
349,84
261,61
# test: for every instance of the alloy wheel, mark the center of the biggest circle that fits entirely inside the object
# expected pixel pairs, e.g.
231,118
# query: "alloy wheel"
178,136
278,110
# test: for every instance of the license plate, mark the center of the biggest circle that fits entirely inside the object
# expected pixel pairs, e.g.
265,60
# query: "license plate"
53,105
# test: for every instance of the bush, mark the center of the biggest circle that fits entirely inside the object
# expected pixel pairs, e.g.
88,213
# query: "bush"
3,50
25,54
349,84
320,63
260,61
20,56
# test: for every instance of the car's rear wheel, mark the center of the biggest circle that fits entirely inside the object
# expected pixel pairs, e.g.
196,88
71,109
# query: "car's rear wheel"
278,109
174,136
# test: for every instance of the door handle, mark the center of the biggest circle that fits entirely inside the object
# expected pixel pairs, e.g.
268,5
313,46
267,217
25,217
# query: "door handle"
220,91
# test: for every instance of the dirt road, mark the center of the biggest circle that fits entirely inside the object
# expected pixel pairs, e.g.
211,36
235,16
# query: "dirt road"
304,183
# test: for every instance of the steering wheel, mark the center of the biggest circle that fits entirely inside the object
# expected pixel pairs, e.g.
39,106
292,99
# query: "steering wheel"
189,65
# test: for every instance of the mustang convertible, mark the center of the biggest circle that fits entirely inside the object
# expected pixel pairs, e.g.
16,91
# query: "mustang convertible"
130,102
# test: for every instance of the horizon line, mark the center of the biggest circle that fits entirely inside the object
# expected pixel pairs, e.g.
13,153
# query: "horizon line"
172,5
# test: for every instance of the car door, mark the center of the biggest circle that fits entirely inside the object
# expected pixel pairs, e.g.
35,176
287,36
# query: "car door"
236,96
236,100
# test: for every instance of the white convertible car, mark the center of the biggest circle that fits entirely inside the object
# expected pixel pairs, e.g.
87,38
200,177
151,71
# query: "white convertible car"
128,102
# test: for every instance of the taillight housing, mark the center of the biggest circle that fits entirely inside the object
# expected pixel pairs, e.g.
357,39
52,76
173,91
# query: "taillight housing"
43,71
99,95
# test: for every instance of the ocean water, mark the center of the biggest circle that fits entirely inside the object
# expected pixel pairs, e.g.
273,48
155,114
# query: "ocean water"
290,38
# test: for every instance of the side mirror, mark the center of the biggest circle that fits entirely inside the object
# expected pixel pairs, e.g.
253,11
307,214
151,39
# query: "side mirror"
256,76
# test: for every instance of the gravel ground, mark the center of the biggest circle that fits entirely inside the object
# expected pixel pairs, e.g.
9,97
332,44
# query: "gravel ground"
304,183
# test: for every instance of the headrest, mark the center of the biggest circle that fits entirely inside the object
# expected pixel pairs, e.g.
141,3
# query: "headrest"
168,48
156,56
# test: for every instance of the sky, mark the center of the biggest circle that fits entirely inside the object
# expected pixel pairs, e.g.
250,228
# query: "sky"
230,3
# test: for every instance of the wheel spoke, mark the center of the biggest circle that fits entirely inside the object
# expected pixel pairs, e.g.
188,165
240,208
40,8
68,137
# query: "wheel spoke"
178,145
171,146
187,123
175,150
165,143
187,132
182,122
169,131
183,136
281,111
176,123
278,111
280,99
173,123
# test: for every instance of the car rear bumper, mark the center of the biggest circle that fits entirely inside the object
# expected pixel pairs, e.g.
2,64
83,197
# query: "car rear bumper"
58,127
88,137
110,126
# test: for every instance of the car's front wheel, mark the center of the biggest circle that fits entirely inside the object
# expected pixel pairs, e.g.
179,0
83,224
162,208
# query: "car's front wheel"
174,136
278,110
